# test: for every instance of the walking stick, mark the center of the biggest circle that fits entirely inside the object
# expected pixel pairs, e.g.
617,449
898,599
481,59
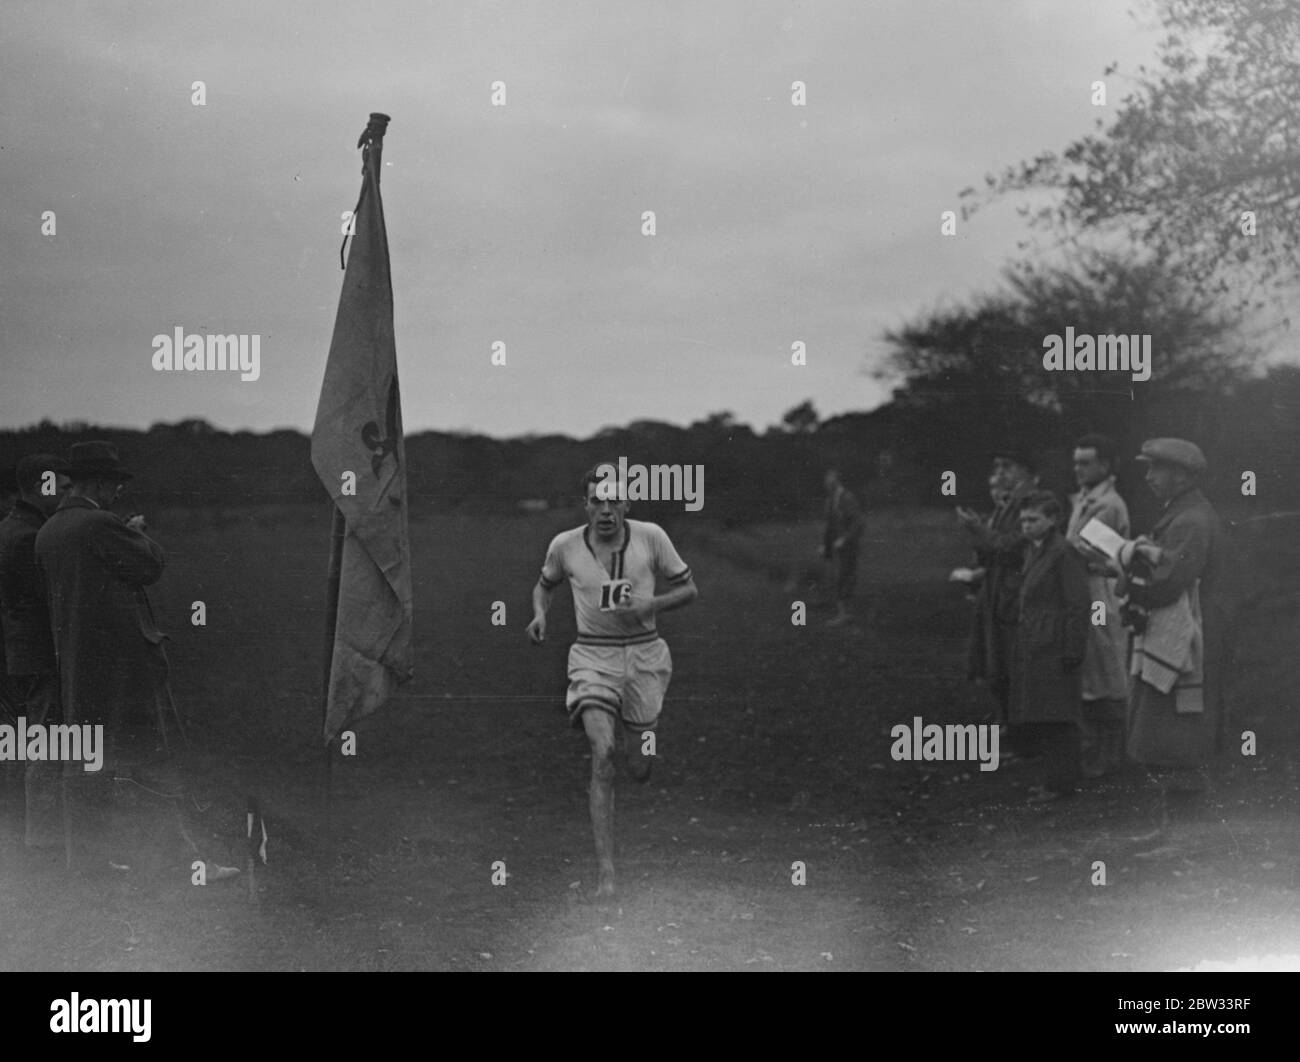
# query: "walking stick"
338,529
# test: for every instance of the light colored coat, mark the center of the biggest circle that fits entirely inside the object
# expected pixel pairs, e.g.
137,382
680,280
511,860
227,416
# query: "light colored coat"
1105,670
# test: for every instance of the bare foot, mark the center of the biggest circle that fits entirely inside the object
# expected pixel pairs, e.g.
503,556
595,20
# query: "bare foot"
605,885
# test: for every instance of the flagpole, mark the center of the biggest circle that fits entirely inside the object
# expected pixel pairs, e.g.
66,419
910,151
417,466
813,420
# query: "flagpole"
338,528
358,424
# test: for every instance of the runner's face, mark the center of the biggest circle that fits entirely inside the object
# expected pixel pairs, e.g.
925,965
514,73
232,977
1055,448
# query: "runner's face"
605,513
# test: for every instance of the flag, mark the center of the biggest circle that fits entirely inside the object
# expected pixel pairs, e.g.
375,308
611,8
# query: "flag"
359,454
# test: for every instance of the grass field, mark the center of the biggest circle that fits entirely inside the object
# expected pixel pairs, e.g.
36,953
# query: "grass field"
774,749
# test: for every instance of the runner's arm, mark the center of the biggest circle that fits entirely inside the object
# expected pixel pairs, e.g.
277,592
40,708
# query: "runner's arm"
676,572
536,629
552,575
541,599
676,597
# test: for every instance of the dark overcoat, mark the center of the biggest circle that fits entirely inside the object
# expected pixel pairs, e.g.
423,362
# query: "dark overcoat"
110,654
1195,553
29,648
1051,636
1000,551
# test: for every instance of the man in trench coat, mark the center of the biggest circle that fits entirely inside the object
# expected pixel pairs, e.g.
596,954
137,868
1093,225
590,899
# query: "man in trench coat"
112,665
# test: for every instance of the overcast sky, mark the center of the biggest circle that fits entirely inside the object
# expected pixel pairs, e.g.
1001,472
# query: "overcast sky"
522,223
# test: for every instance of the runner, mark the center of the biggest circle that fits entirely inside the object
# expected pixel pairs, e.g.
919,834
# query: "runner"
619,667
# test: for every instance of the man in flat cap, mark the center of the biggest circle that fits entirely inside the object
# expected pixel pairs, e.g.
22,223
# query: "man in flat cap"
28,644
1180,596
1000,550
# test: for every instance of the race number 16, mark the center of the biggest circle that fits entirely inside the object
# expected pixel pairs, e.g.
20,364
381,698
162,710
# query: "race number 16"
614,594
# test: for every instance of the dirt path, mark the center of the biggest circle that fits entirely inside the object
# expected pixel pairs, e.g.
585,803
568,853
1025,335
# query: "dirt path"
774,751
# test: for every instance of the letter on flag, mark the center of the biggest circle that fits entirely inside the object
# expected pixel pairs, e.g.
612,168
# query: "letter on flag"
358,430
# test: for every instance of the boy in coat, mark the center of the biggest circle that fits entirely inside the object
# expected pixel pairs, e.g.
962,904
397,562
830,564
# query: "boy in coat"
1051,639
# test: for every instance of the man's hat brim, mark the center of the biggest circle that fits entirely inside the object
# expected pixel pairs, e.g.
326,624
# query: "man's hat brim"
1147,459
1018,456
96,458
1176,453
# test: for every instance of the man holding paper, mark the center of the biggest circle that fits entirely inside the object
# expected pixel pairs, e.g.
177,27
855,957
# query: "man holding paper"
1099,507
1181,587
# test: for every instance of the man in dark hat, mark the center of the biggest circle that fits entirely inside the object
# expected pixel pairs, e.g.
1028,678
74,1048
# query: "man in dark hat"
28,645
1180,604
112,664
109,650
1000,550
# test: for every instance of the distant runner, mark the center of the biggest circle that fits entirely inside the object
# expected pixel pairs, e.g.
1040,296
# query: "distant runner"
840,543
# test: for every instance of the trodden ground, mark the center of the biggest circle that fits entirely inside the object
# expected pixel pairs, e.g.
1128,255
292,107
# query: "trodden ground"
774,749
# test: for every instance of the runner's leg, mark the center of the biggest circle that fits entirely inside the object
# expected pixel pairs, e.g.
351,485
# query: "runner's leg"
634,742
649,669
599,724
